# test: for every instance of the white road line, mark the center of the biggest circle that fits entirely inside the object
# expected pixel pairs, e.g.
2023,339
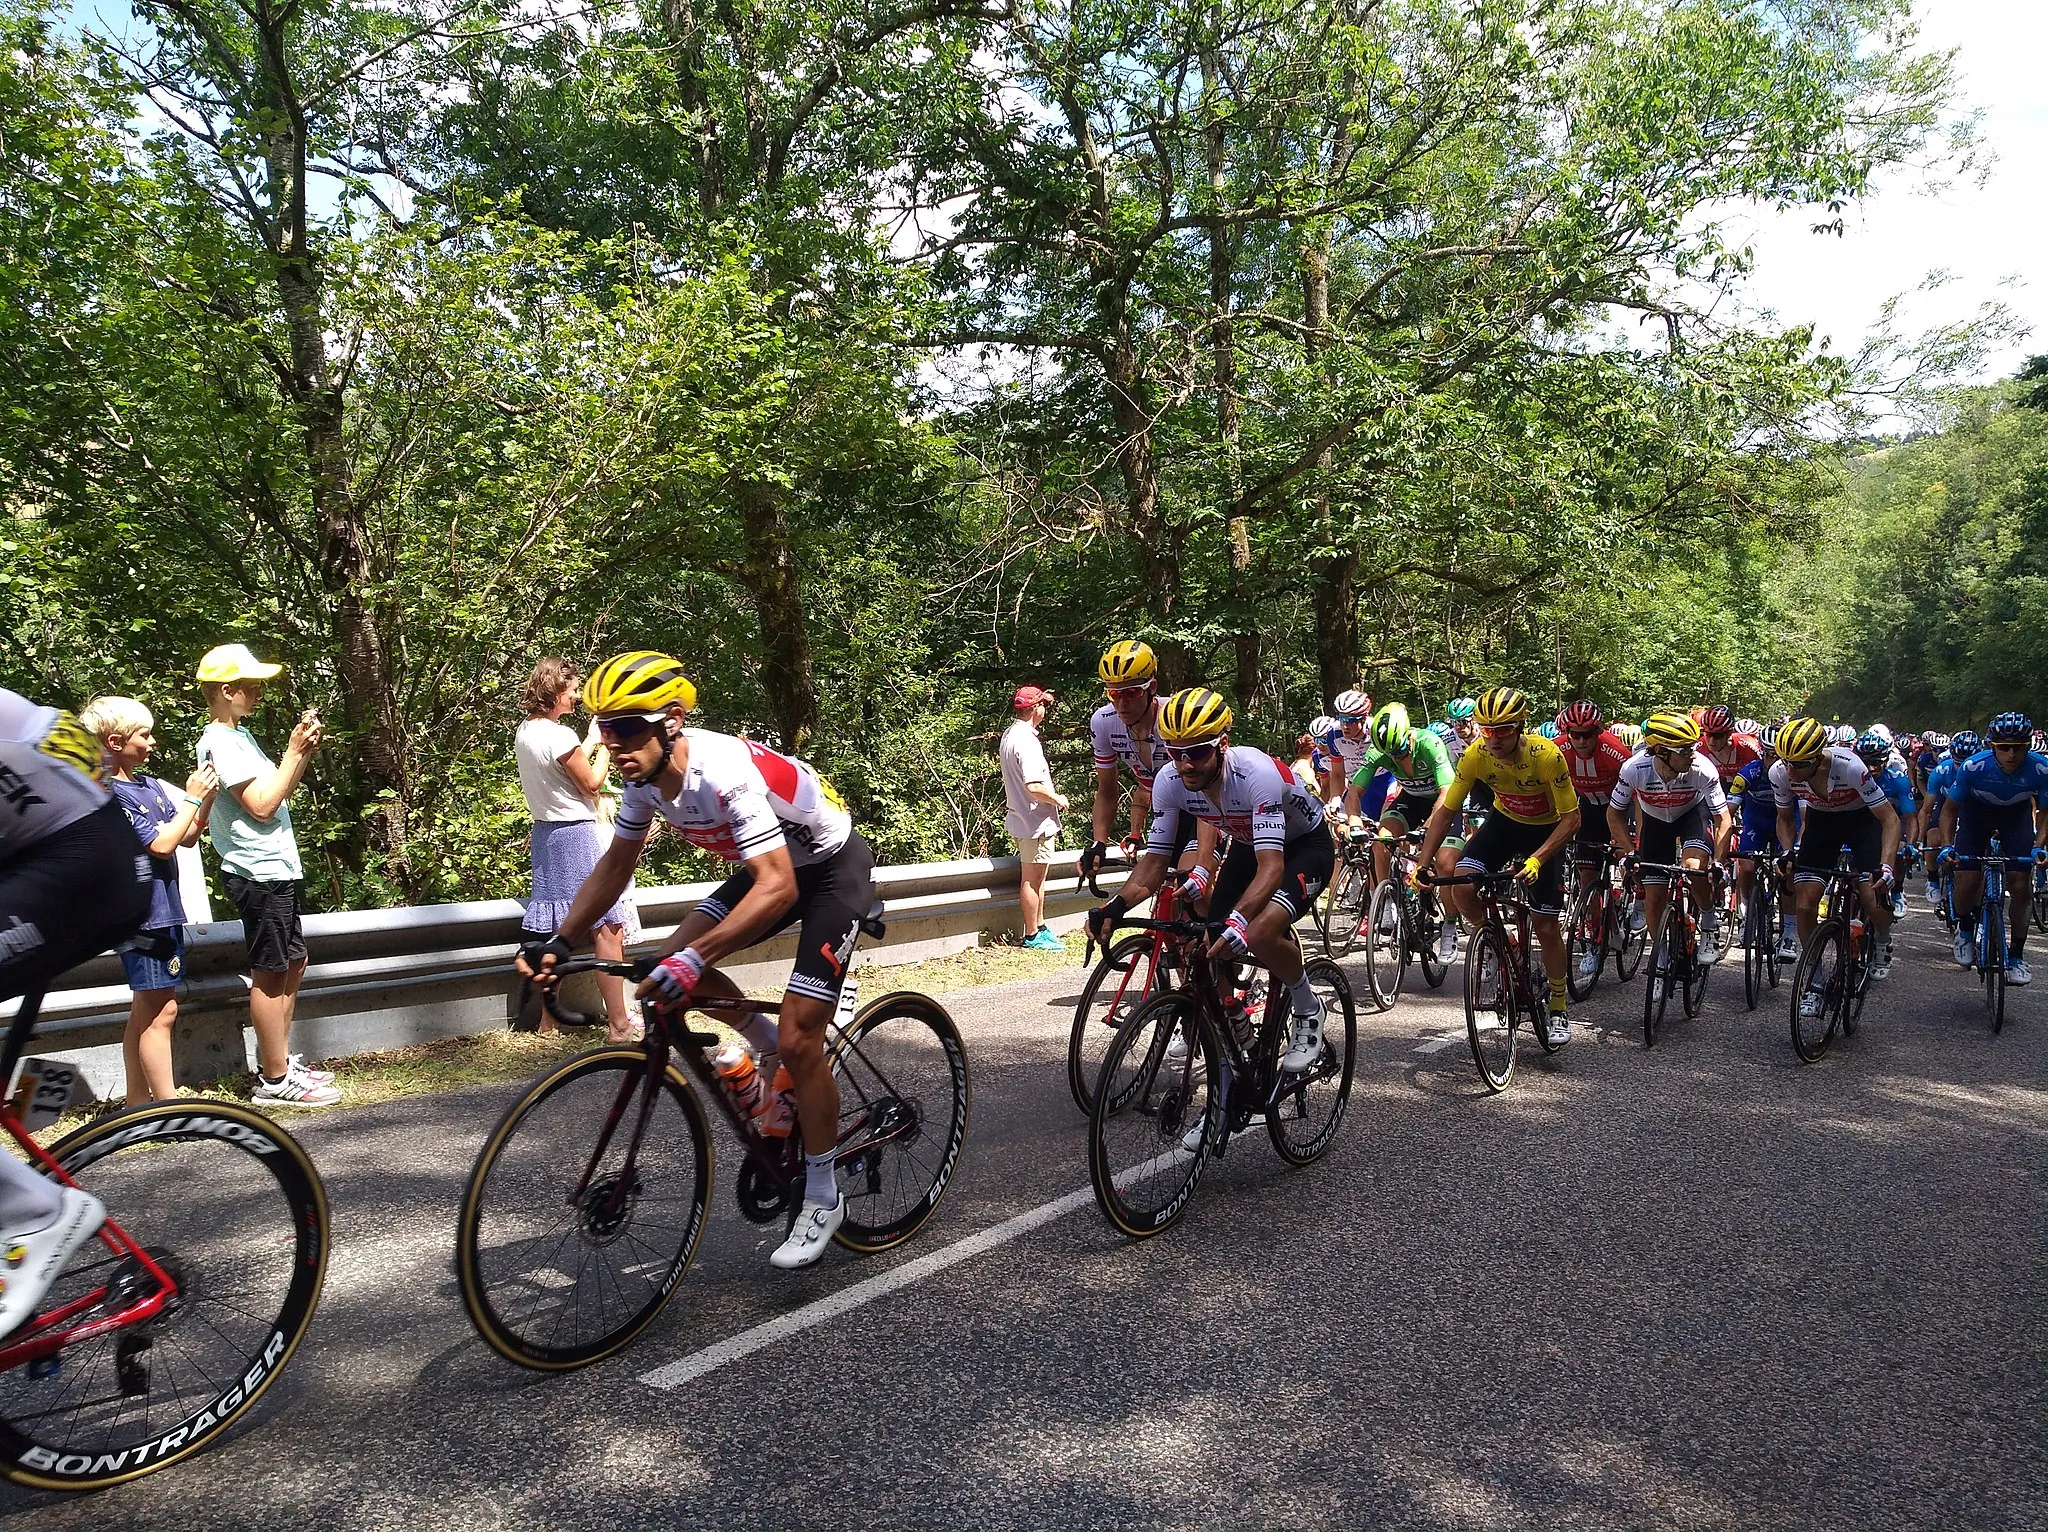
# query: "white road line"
1438,1044
694,1366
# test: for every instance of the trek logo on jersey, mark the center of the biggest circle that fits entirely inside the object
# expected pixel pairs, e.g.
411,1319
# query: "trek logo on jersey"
16,793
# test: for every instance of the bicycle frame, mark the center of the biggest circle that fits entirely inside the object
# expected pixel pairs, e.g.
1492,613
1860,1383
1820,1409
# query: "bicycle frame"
1498,897
46,1334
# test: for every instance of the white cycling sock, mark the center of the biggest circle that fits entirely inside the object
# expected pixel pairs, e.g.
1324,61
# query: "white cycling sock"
27,1201
761,1033
1304,996
820,1184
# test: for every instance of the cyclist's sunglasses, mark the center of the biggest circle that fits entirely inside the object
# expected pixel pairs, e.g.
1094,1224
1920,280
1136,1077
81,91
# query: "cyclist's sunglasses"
628,728
1720,734
1582,733
1137,690
2008,744
1804,768
1500,730
1191,755
1671,752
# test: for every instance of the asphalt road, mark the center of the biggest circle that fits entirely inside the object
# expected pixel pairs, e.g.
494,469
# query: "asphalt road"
1696,1286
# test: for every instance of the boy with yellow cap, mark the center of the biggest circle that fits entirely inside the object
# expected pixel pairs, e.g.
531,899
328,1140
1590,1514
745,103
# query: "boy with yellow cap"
251,827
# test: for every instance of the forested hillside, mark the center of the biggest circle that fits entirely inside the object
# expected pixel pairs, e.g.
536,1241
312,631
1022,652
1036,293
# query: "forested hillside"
873,355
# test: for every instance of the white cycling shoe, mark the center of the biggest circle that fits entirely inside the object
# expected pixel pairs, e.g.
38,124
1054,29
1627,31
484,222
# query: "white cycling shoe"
2016,972
1589,966
31,1259
1788,949
1447,944
1304,1042
815,1225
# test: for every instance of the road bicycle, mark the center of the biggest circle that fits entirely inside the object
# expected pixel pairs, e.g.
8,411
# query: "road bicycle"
1761,921
587,1201
1675,954
1182,1075
1501,996
1132,971
1834,963
1991,953
167,1328
2037,910
1402,925
1726,906
1341,912
1599,918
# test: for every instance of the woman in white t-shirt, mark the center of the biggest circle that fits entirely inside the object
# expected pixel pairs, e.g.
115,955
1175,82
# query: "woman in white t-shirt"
561,775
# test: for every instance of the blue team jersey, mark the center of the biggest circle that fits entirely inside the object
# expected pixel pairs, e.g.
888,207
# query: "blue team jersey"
1750,790
1981,779
1938,780
1898,787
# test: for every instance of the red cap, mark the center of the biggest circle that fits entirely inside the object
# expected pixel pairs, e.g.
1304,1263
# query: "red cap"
1030,696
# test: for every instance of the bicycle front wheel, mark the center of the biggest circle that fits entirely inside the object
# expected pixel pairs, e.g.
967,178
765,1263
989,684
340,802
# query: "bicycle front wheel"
1657,982
1822,972
1158,1113
1629,942
1310,1107
903,1104
1342,911
1128,975
228,1205
563,1254
1756,930
1386,945
1490,1008
1585,930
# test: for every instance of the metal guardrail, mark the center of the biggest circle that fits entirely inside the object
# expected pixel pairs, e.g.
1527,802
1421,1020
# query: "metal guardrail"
380,979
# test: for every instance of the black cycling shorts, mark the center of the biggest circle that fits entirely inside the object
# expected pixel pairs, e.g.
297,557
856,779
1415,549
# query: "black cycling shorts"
2013,824
1593,828
1824,835
272,929
1309,861
1661,839
832,898
1411,810
69,896
1501,843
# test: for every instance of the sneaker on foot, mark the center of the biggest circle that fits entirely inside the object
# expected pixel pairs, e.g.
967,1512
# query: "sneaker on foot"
815,1225
1304,1041
1042,940
30,1259
297,1065
1560,1028
1809,1003
293,1090
2016,971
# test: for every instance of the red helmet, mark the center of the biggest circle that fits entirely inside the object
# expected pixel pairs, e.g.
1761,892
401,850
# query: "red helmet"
1716,720
1580,715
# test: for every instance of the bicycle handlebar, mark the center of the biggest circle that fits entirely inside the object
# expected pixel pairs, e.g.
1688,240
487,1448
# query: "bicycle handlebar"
636,970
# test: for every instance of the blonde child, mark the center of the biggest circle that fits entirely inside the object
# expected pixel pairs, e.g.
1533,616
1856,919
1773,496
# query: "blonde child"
164,820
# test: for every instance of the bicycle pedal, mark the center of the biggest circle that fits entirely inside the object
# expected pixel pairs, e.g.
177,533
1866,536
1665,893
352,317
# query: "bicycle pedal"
44,1368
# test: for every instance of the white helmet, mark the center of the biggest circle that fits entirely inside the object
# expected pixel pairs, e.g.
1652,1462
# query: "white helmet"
1350,705
1322,726
1883,731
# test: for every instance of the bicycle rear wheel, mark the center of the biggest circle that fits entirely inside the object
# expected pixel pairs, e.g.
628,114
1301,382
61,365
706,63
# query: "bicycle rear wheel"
1756,929
1147,1105
229,1206
1490,1019
1386,945
2037,908
1630,943
1823,970
1664,965
1310,1107
1429,931
1342,909
1692,973
1128,975
556,1277
904,1099
1991,953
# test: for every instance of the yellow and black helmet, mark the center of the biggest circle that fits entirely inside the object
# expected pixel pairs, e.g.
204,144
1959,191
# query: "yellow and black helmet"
1802,739
1668,731
1498,705
643,681
1130,663
1193,717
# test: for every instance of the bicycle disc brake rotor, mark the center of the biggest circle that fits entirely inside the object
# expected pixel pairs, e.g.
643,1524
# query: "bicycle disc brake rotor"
601,1219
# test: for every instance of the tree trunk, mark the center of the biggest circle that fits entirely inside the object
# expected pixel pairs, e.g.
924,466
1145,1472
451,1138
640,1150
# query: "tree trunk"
769,572
1335,569
1229,408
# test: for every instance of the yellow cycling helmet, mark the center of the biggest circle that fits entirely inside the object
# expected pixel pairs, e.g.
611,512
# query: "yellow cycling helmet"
1193,717
1802,739
1627,733
642,681
1668,731
1130,663
1499,705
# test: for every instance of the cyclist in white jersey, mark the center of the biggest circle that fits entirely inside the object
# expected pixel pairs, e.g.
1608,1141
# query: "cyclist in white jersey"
1846,810
1682,816
1124,729
800,859
1280,854
74,881
1353,713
